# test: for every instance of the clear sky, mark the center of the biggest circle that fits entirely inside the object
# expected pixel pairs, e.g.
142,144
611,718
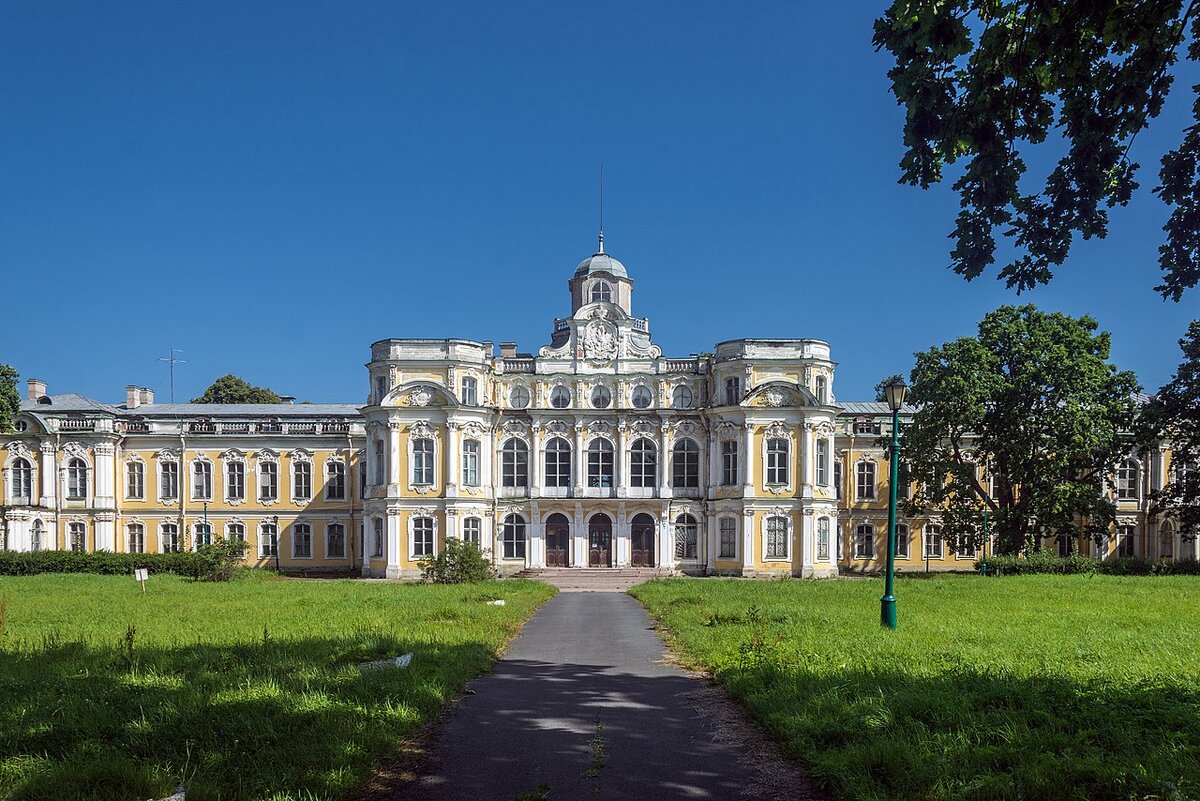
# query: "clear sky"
272,186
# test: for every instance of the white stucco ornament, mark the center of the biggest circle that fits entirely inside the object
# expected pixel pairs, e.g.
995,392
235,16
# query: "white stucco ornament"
420,397
775,397
600,340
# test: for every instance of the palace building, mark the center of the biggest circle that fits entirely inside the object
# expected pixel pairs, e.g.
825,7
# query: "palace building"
598,451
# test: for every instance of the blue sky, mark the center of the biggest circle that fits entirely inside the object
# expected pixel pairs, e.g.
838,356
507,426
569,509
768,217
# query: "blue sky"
272,186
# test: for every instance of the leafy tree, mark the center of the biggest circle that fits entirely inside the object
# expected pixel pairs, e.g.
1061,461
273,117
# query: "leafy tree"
10,399
880,394
231,389
1175,414
988,80
1031,401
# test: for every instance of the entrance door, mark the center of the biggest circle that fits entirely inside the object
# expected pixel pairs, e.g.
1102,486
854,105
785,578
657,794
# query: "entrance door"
558,538
641,532
600,541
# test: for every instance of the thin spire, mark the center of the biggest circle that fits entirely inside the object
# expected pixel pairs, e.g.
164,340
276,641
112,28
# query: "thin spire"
601,209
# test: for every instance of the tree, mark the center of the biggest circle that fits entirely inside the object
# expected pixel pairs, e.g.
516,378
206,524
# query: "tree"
10,398
988,80
1025,420
1174,414
231,389
880,394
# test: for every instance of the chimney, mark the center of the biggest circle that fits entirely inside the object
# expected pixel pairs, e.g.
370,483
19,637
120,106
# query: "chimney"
147,396
288,399
508,350
37,388
132,397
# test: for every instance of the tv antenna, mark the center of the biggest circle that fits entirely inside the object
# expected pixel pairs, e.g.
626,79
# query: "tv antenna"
172,361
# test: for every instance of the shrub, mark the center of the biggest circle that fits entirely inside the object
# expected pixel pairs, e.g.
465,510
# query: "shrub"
222,559
13,563
459,563
1043,561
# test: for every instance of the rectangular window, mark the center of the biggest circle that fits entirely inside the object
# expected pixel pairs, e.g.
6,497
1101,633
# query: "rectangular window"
514,464
643,464
470,463
901,541
335,541
268,541
201,481
822,462
268,481
78,535
135,538
867,427
380,388
335,481
362,477
473,531
823,539
685,465
777,461
422,471
1127,480
201,535
865,481
727,546
380,463
235,531
965,547
235,481
170,538
1125,540
864,541
558,463
168,483
302,541
777,539
600,464
933,542
837,479
422,536
729,463
135,481
470,391
733,391
377,539
302,480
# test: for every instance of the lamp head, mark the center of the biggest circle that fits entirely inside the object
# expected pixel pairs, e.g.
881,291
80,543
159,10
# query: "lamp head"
895,390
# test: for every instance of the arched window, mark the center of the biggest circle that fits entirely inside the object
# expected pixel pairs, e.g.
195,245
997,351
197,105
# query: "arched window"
22,479
777,461
77,480
643,464
642,397
36,536
1166,541
422,466
518,397
777,538
685,464
560,397
682,397
1127,480
933,542
902,541
514,463
864,541
601,292
601,396
821,389
512,538
864,484
685,537
600,463
823,539
558,463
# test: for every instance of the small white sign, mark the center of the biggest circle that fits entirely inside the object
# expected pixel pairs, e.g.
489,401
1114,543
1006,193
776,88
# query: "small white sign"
141,574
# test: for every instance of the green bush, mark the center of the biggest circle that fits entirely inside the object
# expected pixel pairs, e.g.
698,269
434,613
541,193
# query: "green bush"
459,563
222,559
13,563
1048,562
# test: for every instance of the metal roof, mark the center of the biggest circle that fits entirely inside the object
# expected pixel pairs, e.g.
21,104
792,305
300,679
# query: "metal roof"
601,263
68,402
244,410
872,407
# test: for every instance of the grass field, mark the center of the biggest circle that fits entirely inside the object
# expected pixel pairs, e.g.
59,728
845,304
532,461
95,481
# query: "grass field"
1031,687
244,690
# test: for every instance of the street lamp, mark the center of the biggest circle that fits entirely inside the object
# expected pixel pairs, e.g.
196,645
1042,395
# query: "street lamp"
894,391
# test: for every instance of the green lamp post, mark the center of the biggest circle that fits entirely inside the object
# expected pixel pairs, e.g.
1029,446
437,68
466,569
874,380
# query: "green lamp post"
894,391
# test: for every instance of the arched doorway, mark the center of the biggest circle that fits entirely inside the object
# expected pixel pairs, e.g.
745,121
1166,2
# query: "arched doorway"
600,541
558,540
641,535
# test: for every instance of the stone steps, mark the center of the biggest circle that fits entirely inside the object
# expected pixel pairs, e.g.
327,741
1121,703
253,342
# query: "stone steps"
593,579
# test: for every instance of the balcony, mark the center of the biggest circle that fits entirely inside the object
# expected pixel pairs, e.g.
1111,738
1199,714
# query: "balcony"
514,492
77,424
519,365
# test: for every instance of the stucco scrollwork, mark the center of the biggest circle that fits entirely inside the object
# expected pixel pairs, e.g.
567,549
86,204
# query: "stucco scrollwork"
18,449
421,429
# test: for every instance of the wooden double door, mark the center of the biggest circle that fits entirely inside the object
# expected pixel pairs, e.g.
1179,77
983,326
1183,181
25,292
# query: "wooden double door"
558,541
641,541
600,541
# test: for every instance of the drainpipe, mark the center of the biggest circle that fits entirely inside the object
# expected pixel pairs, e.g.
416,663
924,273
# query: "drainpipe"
351,476
58,490
184,479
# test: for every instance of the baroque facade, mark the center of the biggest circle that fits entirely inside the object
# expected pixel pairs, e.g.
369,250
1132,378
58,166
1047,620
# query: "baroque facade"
598,451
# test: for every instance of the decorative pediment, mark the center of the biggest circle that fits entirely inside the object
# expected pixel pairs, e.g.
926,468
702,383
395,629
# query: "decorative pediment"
473,430
18,450
561,427
644,427
779,394
421,430
727,431
599,426
686,428
419,394
167,455
778,429
75,449
233,455
267,455
301,455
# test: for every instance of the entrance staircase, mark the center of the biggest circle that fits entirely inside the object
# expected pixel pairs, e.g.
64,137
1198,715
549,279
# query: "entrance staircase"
593,579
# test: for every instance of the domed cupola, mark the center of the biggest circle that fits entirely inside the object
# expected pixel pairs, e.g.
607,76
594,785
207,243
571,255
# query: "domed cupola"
601,262
601,279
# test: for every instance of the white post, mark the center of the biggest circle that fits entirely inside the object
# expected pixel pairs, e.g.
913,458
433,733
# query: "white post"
48,475
394,543
748,457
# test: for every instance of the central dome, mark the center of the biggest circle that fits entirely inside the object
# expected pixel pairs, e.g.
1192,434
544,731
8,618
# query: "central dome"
601,262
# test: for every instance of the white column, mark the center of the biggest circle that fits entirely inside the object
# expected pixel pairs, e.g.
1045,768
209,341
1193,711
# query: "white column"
664,462
579,480
665,540
451,523
710,555
395,542
392,459
748,458
808,542
105,469
48,475
714,460
747,540
621,538
537,538
106,531
619,462
452,439
535,463
806,448
579,557
487,456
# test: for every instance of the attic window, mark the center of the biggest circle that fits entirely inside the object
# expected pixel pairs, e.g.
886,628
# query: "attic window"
20,425
45,400
601,292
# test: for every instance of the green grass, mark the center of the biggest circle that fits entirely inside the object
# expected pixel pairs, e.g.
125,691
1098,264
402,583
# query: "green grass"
242,690
1028,687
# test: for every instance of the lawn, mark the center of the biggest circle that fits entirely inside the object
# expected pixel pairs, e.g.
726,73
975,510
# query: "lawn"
1029,687
243,690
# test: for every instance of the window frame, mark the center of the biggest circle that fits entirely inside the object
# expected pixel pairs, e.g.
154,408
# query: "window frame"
135,533
928,533
423,464
561,474
601,464
474,537
822,466
682,397
643,463
727,525
777,453
601,397
906,539
77,536
861,469
600,291
202,480
302,480
335,480
513,538
471,455
776,532
135,480
422,537
519,397
687,538
302,533
560,397
21,481
730,469
469,390
685,464
823,534
77,479
733,391
168,480
332,530
864,533
168,538
641,397
1127,481
514,463
268,540
235,480
268,481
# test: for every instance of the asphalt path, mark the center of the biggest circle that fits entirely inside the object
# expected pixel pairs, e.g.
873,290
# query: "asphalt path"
585,705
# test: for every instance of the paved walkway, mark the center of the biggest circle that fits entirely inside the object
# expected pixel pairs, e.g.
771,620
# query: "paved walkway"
583,706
